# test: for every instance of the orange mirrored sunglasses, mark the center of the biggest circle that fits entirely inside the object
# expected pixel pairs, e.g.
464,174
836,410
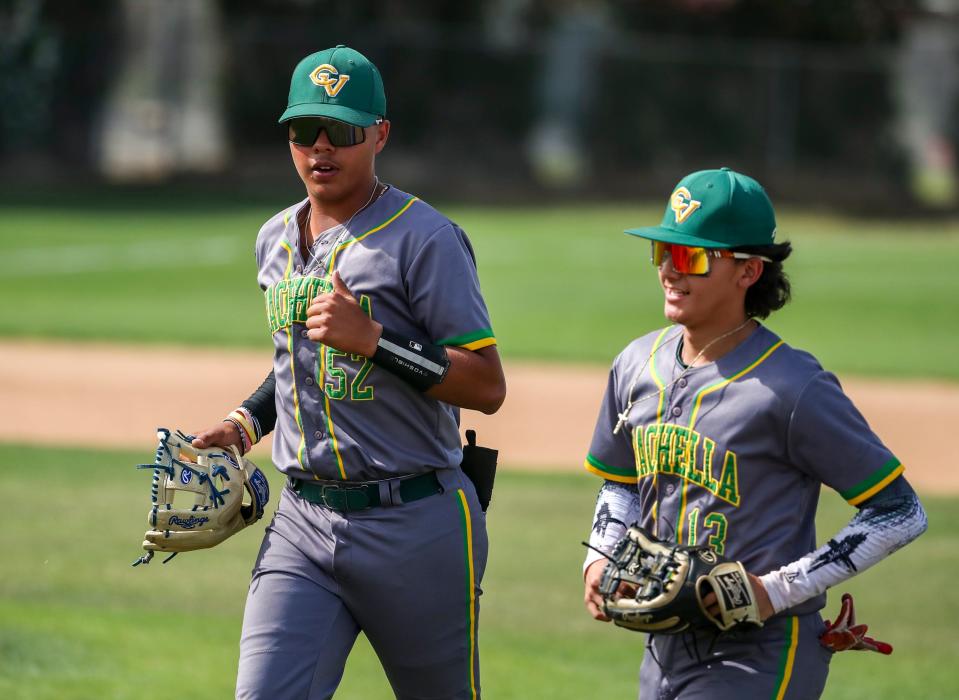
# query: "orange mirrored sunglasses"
693,260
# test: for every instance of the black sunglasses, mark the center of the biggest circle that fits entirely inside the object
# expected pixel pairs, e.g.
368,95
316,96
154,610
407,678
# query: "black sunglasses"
304,131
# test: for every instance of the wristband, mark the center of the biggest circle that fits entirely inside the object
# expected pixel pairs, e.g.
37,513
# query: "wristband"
244,441
247,422
420,365
246,425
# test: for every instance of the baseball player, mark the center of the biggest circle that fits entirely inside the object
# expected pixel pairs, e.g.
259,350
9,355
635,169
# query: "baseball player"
380,332
713,431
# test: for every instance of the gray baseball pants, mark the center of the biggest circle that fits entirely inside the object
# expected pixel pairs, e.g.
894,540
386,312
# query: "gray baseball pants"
408,576
781,661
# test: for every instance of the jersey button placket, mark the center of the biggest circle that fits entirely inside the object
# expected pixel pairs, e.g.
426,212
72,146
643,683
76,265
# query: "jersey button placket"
676,397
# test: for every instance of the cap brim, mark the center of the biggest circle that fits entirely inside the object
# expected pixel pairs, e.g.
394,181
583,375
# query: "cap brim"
321,109
658,233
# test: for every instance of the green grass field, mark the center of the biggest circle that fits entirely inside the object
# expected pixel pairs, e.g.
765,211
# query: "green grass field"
77,622
562,283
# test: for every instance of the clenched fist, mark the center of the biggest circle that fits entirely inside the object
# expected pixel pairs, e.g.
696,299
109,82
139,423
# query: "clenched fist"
336,319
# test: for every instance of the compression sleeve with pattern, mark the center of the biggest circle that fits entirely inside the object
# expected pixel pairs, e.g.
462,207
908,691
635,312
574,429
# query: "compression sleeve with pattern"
617,507
891,519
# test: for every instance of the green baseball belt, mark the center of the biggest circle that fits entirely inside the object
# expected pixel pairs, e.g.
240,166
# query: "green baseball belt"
362,495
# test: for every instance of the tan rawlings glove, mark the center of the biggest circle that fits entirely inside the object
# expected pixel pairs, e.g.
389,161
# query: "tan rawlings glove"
650,585
218,479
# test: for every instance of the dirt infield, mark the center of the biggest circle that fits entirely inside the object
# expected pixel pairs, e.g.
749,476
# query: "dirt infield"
101,395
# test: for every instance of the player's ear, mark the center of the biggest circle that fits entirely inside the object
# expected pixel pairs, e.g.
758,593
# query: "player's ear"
382,134
750,272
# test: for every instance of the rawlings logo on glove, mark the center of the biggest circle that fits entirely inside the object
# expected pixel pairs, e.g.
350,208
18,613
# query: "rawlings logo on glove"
650,585
218,481
189,523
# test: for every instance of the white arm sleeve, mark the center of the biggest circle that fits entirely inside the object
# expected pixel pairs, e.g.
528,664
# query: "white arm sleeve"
876,531
617,507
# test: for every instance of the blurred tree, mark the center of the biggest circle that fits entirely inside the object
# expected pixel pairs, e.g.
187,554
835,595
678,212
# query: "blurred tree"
29,62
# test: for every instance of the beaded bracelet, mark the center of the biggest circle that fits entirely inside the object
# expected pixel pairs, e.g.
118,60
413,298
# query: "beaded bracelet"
247,425
245,443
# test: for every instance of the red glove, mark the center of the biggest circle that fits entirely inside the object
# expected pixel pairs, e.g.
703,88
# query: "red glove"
844,633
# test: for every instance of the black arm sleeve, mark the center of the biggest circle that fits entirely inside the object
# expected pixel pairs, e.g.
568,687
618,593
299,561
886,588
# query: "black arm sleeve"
898,488
262,404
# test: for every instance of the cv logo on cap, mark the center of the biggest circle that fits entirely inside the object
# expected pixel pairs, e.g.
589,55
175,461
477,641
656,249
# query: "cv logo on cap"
683,204
328,78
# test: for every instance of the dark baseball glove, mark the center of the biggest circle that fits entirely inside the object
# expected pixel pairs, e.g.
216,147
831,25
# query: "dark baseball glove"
654,586
216,481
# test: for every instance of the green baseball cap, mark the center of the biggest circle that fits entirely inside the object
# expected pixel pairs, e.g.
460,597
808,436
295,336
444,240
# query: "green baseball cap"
338,83
715,209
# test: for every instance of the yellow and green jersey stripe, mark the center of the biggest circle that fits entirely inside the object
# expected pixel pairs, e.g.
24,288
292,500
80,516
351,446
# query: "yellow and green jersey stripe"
874,483
473,340
625,475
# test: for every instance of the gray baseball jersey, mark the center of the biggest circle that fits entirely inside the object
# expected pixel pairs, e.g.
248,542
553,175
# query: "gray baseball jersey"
732,454
339,416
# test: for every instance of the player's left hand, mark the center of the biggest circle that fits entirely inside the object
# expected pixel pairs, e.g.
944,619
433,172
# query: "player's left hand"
337,319
759,590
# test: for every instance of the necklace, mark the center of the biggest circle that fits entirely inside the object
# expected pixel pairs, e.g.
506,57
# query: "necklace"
630,403
341,235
